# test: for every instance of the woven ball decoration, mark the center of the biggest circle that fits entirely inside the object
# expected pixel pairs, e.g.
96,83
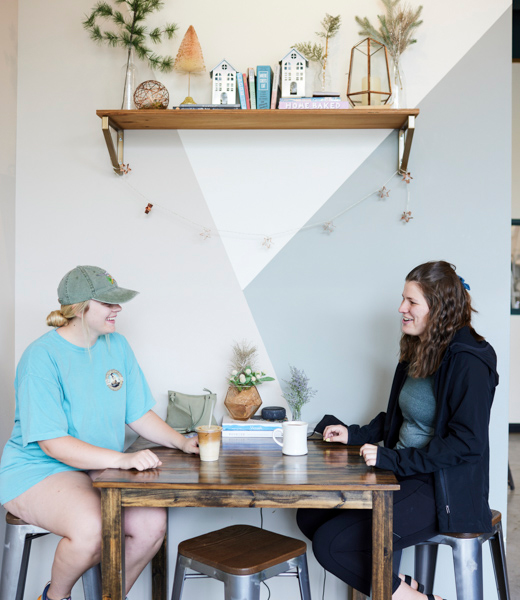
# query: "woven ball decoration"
151,94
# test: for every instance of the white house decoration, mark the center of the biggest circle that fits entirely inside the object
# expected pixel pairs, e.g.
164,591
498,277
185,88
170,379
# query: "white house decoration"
224,83
292,67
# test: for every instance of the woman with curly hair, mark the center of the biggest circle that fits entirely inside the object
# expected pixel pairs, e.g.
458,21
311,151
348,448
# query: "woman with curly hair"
434,433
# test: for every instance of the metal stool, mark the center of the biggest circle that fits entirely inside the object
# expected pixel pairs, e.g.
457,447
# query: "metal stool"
467,559
242,557
17,547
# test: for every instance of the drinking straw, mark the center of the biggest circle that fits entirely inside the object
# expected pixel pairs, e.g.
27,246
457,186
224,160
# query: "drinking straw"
211,413
212,407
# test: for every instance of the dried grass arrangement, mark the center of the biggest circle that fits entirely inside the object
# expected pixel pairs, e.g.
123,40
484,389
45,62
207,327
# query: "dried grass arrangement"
396,28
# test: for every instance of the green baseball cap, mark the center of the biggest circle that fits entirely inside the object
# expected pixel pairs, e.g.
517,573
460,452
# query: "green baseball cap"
91,283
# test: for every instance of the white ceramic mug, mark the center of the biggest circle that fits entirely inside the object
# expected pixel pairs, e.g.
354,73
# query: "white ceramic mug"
294,437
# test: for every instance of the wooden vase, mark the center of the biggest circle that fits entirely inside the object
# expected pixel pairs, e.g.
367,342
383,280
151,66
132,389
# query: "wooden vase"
242,405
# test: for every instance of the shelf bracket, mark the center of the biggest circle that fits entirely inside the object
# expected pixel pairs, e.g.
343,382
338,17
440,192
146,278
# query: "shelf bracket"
405,143
116,156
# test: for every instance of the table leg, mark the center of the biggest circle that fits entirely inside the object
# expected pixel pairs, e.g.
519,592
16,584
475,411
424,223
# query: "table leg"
160,571
382,555
113,545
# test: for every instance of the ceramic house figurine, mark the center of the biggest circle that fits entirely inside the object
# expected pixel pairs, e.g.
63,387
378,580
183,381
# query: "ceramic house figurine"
293,66
224,83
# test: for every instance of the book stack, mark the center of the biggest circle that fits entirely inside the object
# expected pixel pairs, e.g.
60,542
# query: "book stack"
250,428
314,103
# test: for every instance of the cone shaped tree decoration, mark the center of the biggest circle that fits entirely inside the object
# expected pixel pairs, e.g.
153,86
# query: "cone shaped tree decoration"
189,59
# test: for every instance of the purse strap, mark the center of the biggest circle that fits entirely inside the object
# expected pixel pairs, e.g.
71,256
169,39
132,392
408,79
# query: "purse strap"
203,412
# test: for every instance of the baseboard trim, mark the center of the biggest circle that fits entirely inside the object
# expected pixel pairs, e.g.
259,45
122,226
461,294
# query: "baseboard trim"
514,427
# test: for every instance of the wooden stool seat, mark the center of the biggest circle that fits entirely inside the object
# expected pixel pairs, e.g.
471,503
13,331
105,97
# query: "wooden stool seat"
12,520
242,549
242,557
496,518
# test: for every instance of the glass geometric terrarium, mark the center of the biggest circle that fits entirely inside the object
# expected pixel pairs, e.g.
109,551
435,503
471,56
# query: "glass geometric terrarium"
369,75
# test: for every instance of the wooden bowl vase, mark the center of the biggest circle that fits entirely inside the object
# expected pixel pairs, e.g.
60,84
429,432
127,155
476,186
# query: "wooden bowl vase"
242,405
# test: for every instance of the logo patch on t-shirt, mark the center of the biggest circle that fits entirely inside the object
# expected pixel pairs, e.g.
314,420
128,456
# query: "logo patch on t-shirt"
114,380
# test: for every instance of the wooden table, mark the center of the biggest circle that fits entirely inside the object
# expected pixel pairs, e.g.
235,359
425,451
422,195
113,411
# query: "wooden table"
250,473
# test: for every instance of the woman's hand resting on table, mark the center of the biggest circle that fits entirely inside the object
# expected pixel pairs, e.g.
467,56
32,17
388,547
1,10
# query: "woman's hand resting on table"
369,453
146,459
142,460
339,433
190,445
335,433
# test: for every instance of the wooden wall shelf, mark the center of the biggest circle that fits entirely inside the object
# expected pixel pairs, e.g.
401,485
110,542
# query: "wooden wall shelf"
356,118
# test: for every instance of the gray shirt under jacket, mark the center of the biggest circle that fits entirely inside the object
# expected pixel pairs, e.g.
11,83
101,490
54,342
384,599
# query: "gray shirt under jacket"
417,403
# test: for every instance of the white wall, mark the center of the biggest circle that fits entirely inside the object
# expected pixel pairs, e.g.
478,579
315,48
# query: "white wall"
72,210
8,77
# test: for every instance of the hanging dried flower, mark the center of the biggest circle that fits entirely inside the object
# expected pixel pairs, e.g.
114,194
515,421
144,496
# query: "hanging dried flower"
125,169
406,216
383,193
148,208
206,233
328,227
268,242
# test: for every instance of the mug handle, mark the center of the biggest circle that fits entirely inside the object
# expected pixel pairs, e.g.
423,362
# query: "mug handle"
274,436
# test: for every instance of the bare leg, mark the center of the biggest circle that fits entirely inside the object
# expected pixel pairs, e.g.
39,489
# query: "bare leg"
144,534
66,504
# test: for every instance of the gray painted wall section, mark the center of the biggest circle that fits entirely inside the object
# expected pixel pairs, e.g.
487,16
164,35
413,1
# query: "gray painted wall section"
328,304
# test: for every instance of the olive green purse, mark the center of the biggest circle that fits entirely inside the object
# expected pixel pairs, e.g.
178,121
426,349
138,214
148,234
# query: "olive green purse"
185,411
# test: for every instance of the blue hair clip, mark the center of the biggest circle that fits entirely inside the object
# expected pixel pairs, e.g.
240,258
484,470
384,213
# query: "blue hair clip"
466,286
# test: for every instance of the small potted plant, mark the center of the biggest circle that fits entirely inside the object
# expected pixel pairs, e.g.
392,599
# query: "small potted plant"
298,392
242,398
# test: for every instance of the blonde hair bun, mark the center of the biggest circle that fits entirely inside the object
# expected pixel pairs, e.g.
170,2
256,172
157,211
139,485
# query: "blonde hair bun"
56,319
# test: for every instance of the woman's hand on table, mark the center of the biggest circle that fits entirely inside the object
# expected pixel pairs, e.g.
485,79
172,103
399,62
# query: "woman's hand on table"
369,454
142,460
335,433
190,445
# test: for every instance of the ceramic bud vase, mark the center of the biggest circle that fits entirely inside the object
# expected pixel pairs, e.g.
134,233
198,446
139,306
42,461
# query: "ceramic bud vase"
130,80
398,99
242,405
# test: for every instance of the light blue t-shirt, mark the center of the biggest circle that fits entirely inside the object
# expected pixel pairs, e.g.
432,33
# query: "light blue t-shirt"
62,389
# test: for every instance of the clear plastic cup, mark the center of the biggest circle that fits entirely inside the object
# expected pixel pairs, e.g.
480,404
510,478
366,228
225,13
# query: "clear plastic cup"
209,441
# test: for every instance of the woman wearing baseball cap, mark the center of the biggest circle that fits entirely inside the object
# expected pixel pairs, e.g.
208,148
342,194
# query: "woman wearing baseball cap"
76,388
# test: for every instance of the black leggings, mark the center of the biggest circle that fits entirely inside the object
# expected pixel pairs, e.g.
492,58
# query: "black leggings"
342,539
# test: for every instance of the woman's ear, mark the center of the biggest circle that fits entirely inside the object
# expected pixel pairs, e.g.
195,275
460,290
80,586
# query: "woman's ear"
81,308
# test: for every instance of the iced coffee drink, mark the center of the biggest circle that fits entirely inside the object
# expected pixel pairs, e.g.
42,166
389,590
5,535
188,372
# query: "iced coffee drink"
209,441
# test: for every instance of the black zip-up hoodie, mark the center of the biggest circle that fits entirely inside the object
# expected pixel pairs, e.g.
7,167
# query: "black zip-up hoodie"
458,453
